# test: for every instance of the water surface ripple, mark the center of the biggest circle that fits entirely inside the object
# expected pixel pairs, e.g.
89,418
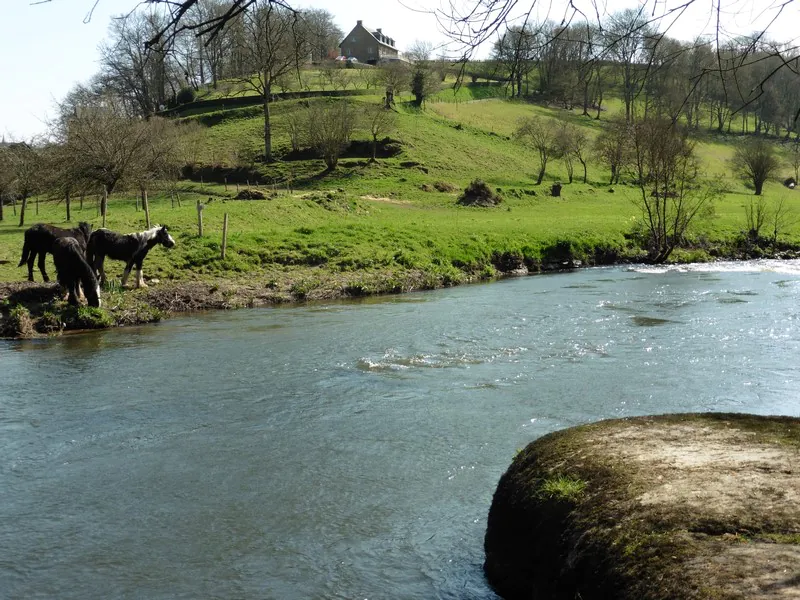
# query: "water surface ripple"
351,450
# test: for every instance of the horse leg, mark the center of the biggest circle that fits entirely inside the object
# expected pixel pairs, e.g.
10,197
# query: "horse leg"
31,260
73,296
42,257
99,271
139,277
126,273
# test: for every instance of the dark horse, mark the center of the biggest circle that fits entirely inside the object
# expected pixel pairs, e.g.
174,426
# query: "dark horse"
131,247
72,270
39,240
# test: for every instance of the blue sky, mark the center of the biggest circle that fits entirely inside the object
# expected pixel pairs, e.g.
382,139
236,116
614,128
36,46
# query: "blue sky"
46,48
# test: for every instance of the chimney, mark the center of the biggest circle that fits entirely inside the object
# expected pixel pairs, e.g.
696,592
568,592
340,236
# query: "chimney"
379,30
358,22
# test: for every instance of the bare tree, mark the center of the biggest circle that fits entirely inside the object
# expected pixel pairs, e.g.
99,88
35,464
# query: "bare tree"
275,44
540,135
107,147
26,173
329,127
794,160
572,143
381,121
423,79
612,149
664,166
755,213
322,33
755,160
396,76
6,177
141,78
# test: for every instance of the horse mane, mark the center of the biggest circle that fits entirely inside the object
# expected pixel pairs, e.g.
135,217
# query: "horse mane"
148,234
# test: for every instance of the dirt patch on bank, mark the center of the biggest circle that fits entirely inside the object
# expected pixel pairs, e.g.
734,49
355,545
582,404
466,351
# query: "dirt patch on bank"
682,506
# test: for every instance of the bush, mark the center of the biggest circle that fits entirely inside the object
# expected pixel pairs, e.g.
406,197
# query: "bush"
478,193
185,95
19,323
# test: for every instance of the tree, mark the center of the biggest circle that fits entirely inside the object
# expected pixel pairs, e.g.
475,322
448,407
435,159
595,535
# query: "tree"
664,166
571,142
540,135
794,160
140,77
322,33
611,148
380,120
329,126
275,44
25,161
107,147
755,161
423,79
396,77
6,177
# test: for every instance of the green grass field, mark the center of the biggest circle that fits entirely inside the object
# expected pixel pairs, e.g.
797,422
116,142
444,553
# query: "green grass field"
365,217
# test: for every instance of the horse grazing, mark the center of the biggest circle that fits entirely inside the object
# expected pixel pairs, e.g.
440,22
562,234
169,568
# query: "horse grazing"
131,247
39,240
72,270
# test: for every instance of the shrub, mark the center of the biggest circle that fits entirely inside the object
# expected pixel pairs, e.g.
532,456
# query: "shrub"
185,95
19,323
478,193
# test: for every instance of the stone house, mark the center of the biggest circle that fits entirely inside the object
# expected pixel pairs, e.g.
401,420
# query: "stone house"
368,45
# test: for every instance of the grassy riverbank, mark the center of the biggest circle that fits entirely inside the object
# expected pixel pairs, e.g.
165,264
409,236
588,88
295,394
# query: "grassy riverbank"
370,228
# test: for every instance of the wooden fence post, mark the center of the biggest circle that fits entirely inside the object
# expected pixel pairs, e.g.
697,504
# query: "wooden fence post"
224,235
200,208
67,202
146,207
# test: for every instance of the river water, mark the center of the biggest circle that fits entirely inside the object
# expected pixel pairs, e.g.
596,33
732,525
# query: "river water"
351,450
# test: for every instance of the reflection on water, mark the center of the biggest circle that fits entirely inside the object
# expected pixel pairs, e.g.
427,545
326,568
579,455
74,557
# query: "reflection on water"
351,450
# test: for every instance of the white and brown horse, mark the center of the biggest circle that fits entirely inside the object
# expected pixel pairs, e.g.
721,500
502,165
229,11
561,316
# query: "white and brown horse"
131,248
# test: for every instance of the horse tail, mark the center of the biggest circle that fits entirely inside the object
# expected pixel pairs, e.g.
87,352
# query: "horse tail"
26,250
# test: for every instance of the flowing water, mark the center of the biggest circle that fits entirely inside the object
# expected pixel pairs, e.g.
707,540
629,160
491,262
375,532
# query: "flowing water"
351,450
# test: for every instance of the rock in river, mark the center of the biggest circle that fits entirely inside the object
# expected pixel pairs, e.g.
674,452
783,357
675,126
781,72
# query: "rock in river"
665,507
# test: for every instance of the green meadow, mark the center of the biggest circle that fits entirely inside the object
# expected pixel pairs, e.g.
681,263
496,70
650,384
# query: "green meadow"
389,217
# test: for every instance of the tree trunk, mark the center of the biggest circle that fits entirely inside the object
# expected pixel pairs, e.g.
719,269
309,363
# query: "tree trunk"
759,185
541,172
1,207
145,207
104,204
67,203
374,148
22,211
267,126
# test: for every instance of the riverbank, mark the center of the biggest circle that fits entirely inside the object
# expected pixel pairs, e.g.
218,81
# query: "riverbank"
32,309
675,506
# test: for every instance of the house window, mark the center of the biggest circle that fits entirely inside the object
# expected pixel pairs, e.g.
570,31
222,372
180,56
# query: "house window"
369,50
347,51
353,40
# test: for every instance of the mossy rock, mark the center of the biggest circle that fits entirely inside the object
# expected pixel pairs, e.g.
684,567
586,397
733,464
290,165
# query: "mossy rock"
675,506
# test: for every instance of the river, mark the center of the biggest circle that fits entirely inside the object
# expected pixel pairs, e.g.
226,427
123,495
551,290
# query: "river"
350,450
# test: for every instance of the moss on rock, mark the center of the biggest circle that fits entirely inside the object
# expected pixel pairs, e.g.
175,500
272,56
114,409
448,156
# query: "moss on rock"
675,506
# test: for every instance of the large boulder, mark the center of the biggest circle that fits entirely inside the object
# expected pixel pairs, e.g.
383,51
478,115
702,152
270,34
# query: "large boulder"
667,507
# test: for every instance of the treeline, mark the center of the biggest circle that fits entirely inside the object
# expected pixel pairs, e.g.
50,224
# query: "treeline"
148,76
748,84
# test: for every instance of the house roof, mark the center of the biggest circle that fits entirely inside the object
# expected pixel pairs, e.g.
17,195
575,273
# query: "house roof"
376,33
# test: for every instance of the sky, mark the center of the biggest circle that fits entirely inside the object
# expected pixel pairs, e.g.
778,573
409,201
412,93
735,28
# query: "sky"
48,47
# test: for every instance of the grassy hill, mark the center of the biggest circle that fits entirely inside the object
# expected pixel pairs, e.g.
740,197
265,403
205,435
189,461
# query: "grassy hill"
368,228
